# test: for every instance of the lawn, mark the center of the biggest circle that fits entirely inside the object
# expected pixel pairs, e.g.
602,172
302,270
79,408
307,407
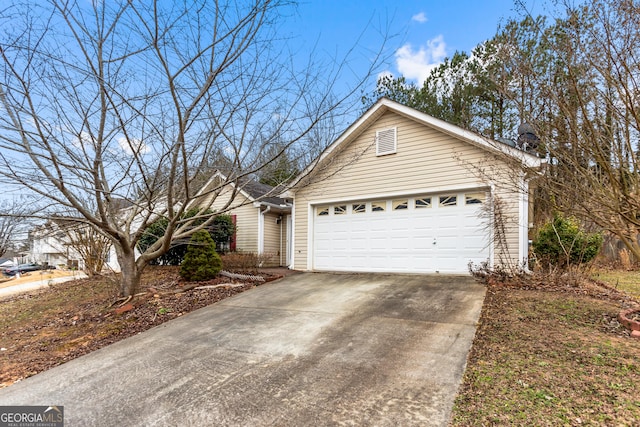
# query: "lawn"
626,281
551,356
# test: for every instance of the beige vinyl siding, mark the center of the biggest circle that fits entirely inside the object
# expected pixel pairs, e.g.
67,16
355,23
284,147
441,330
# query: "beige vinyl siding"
273,245
427,161
508,255
246,220
246,228
424,159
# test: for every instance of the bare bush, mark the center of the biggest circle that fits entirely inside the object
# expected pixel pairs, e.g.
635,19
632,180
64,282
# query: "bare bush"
625,259
245,262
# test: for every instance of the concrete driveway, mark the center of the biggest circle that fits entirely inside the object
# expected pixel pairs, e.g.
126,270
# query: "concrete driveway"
308,350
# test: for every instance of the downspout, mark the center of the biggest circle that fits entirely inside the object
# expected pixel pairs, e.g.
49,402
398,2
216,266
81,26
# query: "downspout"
291,238
280,260
523,232
492,225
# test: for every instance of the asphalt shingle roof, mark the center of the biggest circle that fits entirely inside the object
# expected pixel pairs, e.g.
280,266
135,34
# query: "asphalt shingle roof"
257,190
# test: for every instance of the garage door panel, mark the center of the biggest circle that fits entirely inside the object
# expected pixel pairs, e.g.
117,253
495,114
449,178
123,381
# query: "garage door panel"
400,232
401,240
359,262
359,246
342,246
377,226
341,262
396,263
378,260
423,241
376,244
447,214
398,244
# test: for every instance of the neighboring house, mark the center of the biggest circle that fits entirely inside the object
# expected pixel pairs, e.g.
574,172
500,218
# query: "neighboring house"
263,221
50,244
400,191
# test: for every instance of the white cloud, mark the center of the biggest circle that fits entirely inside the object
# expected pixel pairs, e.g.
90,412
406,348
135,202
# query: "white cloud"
419,17
416,65
131,146
83,140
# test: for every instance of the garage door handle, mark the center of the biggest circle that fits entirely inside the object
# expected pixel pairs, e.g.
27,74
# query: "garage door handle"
434,241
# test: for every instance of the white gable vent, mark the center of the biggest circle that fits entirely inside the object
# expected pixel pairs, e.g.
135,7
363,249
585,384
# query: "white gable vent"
386,142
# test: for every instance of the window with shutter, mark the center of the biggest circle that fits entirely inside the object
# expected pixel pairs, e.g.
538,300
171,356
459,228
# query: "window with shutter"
386,142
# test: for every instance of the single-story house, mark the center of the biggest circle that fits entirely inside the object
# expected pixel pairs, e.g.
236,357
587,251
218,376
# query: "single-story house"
262,219
400,191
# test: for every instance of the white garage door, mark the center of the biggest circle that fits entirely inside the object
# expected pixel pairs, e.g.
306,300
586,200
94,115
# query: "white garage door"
427,234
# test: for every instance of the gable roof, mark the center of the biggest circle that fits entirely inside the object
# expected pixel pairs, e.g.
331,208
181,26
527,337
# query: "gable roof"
255,191
384,105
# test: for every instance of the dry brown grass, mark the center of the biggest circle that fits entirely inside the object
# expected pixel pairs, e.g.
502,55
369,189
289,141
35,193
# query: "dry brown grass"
551,355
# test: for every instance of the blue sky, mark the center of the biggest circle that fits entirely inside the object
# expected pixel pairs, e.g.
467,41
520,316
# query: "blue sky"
425,31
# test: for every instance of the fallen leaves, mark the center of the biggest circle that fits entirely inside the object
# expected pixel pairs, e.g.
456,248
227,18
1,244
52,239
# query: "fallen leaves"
47,328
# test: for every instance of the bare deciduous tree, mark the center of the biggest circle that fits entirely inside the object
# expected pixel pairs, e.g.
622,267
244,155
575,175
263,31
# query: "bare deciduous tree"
91,246
582,75
12,218
112,110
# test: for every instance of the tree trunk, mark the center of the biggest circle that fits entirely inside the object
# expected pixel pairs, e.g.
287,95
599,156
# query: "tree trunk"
130,272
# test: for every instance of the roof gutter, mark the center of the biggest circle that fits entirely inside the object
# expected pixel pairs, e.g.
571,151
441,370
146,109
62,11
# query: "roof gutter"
259,204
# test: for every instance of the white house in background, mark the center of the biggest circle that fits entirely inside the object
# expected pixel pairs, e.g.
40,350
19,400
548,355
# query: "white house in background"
400,191
50,245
